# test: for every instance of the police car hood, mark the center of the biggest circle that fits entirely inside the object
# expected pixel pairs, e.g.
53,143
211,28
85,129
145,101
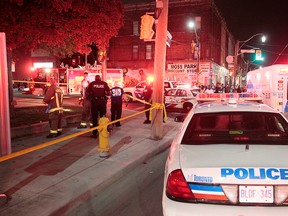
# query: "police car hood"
234,163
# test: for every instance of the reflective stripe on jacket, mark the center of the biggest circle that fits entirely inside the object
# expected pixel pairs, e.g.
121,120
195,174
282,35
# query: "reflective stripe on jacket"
54,97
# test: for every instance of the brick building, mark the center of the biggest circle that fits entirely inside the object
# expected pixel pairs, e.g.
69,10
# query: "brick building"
127,50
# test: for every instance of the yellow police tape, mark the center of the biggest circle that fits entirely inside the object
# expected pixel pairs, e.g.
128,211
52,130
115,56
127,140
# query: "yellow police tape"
53,142
153,105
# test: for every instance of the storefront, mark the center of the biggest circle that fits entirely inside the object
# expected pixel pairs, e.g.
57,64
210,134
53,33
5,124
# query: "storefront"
187,72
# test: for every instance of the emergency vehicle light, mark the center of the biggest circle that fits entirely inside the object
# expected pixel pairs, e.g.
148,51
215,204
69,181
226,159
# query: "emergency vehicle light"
228,96
150,79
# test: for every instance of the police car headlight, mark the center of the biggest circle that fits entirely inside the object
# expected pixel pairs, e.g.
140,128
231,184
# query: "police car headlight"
281,194
231,192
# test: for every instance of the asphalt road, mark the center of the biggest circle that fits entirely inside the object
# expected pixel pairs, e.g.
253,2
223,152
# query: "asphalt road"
138,193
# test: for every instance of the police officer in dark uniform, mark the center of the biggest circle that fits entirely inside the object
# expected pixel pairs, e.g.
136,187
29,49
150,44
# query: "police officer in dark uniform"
147,96
98,90
116,103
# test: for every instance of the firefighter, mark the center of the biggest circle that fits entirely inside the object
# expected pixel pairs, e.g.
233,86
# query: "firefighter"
86,102
54,99
98,90
116,103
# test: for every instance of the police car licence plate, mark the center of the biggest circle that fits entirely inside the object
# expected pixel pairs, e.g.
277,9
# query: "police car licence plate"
256,194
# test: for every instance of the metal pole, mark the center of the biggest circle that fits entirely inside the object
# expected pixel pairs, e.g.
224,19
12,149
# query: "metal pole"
235,63
198,57
85,61
159,71
198,64
5,136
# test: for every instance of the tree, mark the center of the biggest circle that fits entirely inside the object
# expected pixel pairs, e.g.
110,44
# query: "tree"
59,26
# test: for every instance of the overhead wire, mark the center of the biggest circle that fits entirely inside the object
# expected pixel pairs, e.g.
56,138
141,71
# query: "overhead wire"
280,53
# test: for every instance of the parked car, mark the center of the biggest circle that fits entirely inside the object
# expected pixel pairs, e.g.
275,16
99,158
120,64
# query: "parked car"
181,98
137,91
228,158
169,84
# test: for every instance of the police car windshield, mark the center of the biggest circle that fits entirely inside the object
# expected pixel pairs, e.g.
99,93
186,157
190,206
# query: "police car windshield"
236,128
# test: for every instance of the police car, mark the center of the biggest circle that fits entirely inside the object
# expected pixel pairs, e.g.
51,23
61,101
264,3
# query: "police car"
183,98
229,158
137,91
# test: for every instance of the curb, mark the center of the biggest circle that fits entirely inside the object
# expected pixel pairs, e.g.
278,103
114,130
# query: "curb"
41,127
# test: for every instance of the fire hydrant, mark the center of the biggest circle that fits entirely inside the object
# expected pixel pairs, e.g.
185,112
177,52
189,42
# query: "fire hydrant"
103,147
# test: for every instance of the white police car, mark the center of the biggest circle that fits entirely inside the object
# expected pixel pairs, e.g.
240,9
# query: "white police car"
181,98
229,158
137,91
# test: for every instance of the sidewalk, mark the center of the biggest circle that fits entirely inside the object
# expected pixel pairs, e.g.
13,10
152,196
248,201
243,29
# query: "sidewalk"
57,179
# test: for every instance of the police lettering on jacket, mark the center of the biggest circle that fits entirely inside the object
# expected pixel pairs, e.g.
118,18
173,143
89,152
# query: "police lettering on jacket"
98,88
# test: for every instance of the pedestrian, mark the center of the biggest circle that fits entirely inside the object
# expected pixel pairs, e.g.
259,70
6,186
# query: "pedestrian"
116,103
54,99
98,90
218,88
209,90
147,96
86,116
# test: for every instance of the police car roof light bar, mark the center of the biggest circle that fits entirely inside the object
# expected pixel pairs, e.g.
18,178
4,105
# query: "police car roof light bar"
233,97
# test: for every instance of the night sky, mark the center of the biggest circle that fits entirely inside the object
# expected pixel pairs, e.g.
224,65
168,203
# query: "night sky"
248,17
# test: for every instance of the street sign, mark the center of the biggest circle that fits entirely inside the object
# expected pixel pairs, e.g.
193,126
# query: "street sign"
229,59
168,39
247,51
230,65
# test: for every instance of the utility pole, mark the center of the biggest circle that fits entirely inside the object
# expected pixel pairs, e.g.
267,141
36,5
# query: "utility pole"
5,136
159,68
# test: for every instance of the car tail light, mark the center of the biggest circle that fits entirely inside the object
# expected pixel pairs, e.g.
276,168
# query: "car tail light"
177,187
281,194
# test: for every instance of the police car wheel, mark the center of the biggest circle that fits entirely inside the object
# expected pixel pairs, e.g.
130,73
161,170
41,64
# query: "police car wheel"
187,107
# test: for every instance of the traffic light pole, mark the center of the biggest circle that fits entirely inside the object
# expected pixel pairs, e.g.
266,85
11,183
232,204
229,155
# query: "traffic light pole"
236,53
159,71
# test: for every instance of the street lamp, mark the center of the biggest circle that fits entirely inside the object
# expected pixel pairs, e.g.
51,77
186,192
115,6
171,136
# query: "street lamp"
263,39
191,25
238,48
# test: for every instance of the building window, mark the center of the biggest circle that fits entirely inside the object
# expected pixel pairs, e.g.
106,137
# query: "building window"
135,52
136,28
148,51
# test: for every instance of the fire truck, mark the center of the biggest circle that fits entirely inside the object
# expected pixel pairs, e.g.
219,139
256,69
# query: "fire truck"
69,79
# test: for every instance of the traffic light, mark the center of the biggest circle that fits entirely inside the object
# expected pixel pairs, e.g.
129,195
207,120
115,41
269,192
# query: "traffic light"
258,55
146,31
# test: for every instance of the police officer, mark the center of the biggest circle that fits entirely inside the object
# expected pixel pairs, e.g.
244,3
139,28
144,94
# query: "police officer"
147,96
116,103
98,90
86,102
54,99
